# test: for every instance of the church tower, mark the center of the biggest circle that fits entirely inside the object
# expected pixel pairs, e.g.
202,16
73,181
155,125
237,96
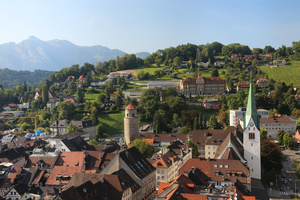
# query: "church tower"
251,137
131,123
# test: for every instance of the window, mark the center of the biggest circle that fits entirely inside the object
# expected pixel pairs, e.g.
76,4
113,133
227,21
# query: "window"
228,174
251,136
251,144
252,157
215,166
226,166
158,171
158,177
162,171
162,177
221,166
217,173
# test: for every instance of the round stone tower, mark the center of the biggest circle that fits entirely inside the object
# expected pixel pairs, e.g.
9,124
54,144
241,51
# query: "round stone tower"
131,123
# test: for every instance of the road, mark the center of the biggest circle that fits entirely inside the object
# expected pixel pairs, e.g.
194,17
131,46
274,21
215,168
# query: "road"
287,182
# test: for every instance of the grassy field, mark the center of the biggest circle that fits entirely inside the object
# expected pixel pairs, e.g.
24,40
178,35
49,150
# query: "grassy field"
150,70
113,122
133,87
286,73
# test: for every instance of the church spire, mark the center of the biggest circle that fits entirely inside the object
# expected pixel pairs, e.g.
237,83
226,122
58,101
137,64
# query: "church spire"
251,111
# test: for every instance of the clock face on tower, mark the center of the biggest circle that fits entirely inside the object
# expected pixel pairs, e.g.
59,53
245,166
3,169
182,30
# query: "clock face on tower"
251,124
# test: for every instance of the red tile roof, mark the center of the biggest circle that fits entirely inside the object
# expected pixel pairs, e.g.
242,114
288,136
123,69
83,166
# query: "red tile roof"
194,196
71,159
61,171
130,107
165,161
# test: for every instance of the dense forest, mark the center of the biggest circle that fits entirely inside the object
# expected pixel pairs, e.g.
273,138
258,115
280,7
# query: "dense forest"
11,78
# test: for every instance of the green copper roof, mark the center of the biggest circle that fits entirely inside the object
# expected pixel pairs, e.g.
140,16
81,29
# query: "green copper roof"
251,111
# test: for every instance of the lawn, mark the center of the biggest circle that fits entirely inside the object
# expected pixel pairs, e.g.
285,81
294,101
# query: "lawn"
150,70
134,87
285,73
113,122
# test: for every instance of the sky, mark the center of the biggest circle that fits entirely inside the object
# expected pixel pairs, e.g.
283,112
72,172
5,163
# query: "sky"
148,25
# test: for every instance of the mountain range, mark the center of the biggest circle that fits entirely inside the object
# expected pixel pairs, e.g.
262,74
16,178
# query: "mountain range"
53,55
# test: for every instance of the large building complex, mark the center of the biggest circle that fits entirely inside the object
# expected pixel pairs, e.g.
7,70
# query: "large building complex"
202,85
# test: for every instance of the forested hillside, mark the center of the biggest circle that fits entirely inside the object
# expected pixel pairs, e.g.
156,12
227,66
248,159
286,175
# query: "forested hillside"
11,78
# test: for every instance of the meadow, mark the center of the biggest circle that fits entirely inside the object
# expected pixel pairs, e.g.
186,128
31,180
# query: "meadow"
285,73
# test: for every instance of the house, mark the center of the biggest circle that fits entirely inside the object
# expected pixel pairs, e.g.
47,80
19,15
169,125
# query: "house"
202,85
87,126
265,56
168,165
75,141
279,62
11,106
73,101
166,69
59,127
66,165
51,95
219,63
71,78
220,172
52,104
211,104
184,64
203,64
100,186
98,82
262,82
138,168
112,97
23,106
42,159
17,192
242,86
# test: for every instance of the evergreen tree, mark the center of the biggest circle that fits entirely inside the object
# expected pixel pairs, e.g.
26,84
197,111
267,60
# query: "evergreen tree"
196,124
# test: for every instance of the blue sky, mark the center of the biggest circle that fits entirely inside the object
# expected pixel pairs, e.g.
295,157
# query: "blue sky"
148,25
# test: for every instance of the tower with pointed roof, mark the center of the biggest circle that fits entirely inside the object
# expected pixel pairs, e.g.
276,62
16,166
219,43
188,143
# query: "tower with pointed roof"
131,123
251,137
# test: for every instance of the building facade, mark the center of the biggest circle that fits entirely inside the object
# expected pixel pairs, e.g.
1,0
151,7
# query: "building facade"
237,115
202,85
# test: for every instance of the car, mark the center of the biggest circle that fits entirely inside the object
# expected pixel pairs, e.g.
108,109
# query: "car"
282,188
285,181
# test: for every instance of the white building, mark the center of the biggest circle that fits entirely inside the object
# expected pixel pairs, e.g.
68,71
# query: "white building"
236,115
164,84
277,123
134,94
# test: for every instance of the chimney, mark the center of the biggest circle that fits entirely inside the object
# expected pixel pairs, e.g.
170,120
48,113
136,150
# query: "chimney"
193,170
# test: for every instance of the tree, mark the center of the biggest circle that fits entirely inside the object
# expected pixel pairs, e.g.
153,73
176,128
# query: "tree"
280,135
73,128
66,110
144,147
271,156
196,123
119,97
176,120
93,142
215,73
94,115
195,152
101,98
160,123
263,134
212,123
223,115
100,131
80,95
177,61
288,140
184,130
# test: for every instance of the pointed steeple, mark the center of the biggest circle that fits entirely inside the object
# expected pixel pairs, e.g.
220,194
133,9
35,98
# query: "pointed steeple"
251,111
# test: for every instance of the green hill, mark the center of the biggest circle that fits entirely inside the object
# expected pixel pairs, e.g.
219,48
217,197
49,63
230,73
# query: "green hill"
285,73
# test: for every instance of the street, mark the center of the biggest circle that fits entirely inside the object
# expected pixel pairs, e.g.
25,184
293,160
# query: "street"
287,182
